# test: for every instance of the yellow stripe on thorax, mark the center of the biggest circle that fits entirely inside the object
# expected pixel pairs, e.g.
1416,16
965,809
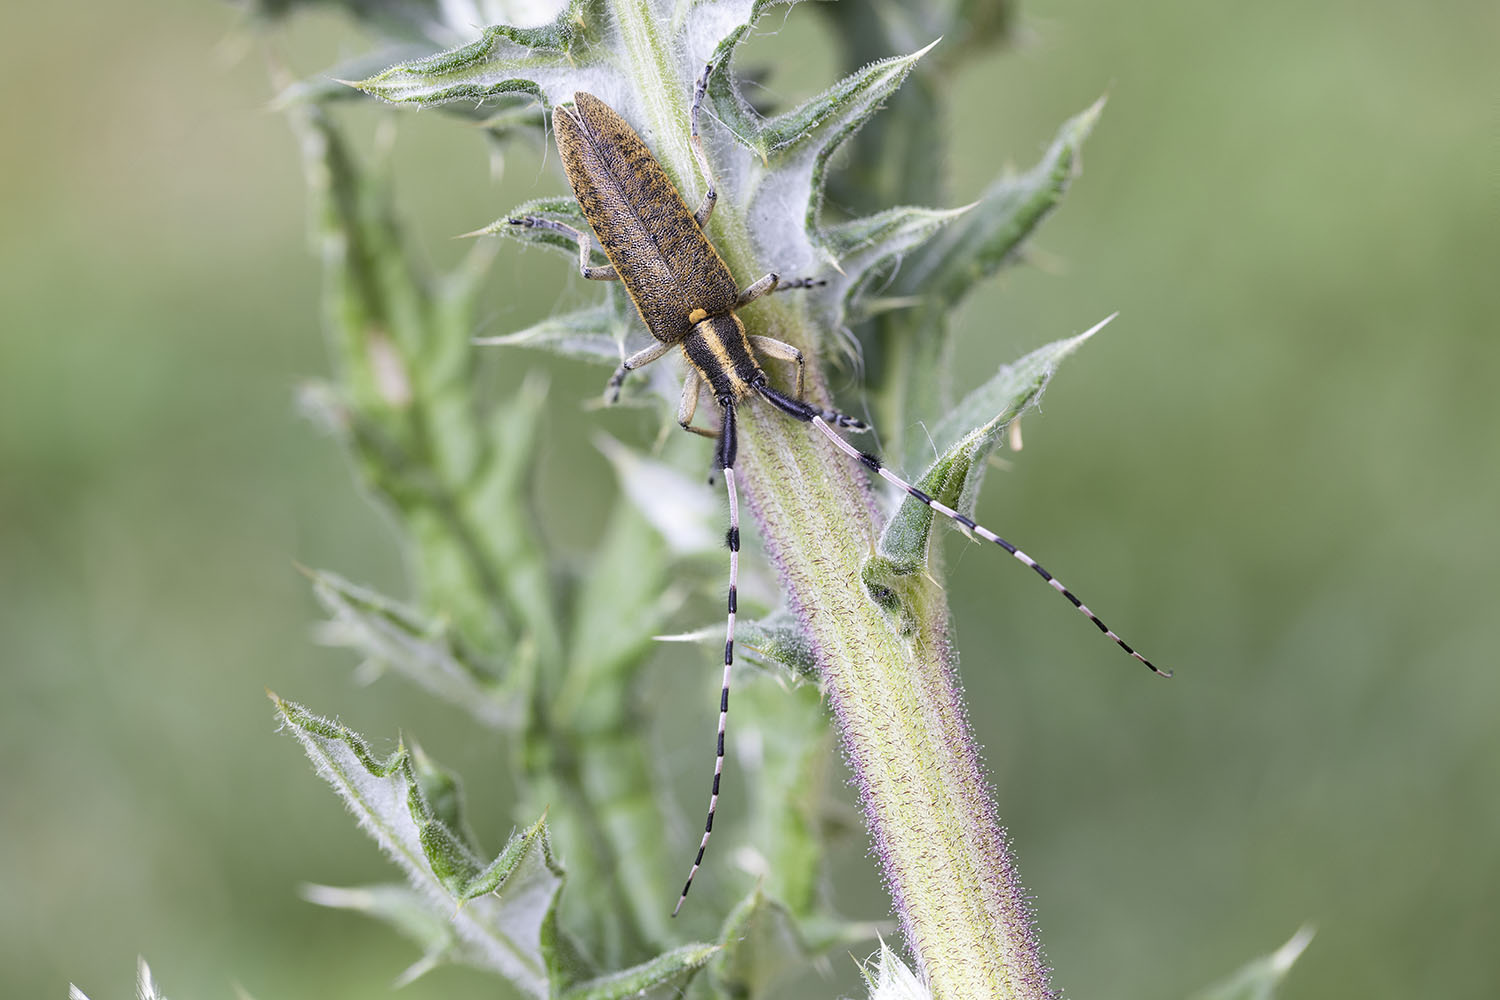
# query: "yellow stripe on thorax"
720,351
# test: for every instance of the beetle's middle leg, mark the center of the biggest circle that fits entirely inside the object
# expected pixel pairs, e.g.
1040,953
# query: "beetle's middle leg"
689,405
637,360
585,245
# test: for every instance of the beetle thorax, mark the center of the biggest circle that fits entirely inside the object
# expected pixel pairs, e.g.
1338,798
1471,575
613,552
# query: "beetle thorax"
719,349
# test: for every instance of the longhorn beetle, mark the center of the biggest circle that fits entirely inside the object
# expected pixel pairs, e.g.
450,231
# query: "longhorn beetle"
687,298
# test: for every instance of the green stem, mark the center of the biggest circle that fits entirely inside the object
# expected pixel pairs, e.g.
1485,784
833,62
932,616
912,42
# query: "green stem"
887,672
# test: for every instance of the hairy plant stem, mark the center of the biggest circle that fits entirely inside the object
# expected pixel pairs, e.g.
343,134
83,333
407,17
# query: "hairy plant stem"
886,670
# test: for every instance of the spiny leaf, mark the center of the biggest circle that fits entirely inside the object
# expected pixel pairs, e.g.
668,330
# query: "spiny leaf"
604,334
612,51
664,976
799,143
813,131
911,308
1261,978
780,641
431,655
329,85
785,197
684,512
776,644
868,247
588,334
145,985
507,901
405,910
964,439
564,210
859,243
888,978
950,264
443,795
501,116
504,60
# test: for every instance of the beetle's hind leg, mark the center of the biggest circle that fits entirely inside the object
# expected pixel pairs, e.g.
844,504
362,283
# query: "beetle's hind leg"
585,245
798,405
782,351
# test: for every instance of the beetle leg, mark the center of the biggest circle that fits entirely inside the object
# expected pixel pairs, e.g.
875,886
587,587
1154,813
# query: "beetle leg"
774,283
585,245
797,405
640,358
781,351
711,196
689,405
764,286
805,411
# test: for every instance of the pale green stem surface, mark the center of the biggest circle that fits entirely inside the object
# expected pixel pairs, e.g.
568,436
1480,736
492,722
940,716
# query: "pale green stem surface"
887,677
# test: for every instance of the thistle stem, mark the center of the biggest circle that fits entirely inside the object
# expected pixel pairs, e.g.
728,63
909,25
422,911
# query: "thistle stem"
886,669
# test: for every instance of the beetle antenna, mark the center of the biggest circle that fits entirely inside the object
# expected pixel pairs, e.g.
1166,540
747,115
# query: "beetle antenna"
873,463
725,456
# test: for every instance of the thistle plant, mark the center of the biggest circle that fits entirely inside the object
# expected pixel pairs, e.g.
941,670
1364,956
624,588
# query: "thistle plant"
551,651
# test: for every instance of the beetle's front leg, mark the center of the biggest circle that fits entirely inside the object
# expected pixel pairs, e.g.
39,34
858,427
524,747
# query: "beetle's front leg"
711,196
764,286
773,283
585,245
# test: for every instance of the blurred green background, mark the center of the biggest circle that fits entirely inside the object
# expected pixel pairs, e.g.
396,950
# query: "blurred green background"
1276,473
